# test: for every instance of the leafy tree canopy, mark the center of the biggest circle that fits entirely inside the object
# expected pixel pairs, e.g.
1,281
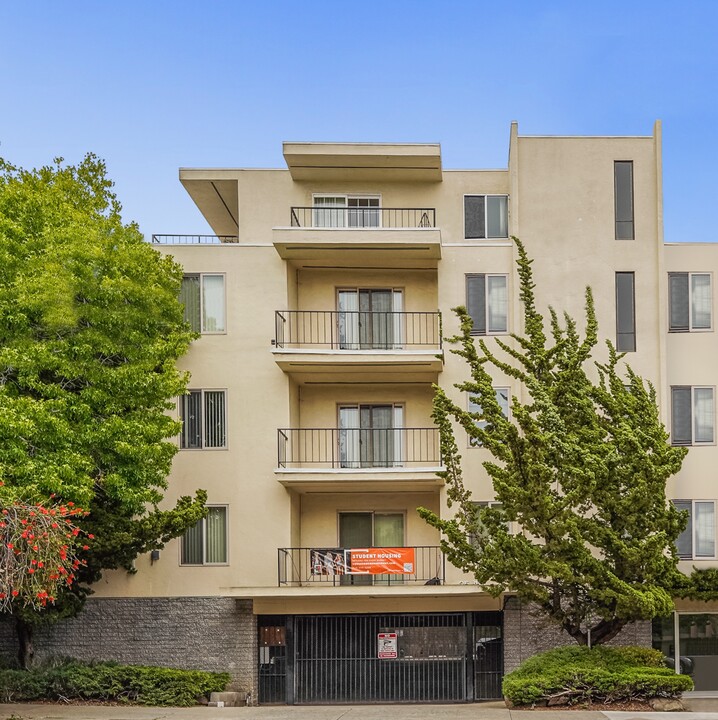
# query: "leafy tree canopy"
90,331
579,470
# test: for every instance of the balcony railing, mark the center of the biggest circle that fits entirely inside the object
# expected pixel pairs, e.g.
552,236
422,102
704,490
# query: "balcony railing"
301,567
362,217
358,448
357,330
194,239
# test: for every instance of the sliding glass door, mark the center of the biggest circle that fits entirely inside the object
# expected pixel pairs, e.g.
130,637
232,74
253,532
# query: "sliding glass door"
370,319
370,436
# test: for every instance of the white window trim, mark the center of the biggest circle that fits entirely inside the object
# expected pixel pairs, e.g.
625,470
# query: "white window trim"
201,276
204,415
690,329
204,540
693,388
472,443
489,332
494,503
347,197
694,526
486,239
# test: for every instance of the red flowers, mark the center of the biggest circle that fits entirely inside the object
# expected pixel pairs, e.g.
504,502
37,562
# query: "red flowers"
38,552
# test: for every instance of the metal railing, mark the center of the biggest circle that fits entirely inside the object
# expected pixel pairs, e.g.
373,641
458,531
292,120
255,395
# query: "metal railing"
194,239
357,330
358,448
301,566
362,217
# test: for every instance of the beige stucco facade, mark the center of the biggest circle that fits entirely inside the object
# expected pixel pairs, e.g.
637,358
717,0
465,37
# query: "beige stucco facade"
279,255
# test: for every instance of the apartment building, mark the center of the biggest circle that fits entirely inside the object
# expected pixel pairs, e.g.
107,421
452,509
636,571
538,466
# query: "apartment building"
321,302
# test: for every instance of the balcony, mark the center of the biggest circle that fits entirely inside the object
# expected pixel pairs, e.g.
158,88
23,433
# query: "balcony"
359,459
337,567
194,239
360,237
345,344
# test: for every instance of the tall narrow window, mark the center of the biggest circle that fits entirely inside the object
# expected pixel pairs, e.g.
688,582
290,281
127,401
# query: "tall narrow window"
204,419
203,298
698,539
487,302
690,301
623,188
206,542
486,216
692,415
625,312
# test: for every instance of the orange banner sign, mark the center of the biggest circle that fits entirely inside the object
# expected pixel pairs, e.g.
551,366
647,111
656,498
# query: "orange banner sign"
380,561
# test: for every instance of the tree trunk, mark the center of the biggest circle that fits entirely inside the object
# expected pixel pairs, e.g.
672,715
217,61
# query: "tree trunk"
601,632
26,651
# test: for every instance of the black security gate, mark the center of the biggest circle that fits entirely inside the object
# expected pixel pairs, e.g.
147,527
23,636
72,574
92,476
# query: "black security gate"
437,657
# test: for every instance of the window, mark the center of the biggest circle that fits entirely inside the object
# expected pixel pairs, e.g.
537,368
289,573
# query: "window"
502,398
623,189
204,419
692,415
371,529
206,542
370,318
481,531
625,312
203,298
690,301
486,216
336,211
487,301
371,436
698,539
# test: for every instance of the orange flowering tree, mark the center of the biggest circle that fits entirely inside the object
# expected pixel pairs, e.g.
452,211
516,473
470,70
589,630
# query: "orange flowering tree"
39,548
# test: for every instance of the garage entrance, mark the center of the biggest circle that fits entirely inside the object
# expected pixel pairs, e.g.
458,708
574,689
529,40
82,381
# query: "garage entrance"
433,657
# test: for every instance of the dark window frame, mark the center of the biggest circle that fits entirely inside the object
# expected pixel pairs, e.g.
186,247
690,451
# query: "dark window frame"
624,200
625,326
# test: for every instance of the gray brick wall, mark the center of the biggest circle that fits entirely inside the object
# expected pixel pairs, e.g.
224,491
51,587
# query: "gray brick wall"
206,633
527,632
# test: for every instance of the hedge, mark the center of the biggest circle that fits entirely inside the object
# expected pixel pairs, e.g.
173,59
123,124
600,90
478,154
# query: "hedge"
575,674
106,681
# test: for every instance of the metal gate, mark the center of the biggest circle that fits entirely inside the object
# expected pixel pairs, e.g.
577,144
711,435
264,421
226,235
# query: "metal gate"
438,657
488,655
337,658
272,650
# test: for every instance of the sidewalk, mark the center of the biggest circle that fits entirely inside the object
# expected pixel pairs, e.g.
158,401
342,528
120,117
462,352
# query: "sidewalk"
702,709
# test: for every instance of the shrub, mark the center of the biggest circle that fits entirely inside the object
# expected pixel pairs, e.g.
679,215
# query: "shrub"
76,680
602,674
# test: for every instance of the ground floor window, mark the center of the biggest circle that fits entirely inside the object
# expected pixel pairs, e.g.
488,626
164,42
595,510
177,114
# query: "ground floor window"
697,646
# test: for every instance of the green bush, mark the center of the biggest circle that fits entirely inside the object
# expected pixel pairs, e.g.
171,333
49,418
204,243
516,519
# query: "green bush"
602,674
75,680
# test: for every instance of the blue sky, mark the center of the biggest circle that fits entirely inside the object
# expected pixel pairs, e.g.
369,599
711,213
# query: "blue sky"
152,86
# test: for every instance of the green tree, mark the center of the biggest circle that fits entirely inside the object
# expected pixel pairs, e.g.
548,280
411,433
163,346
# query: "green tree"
90,329
579,469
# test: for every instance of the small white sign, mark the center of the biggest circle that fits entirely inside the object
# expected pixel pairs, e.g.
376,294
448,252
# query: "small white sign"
386,646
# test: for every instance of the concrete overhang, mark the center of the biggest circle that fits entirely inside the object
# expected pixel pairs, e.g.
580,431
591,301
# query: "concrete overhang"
344,247
215,193
333,480
309,366
401,162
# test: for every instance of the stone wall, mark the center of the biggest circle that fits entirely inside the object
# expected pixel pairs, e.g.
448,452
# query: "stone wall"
528,632
203,633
